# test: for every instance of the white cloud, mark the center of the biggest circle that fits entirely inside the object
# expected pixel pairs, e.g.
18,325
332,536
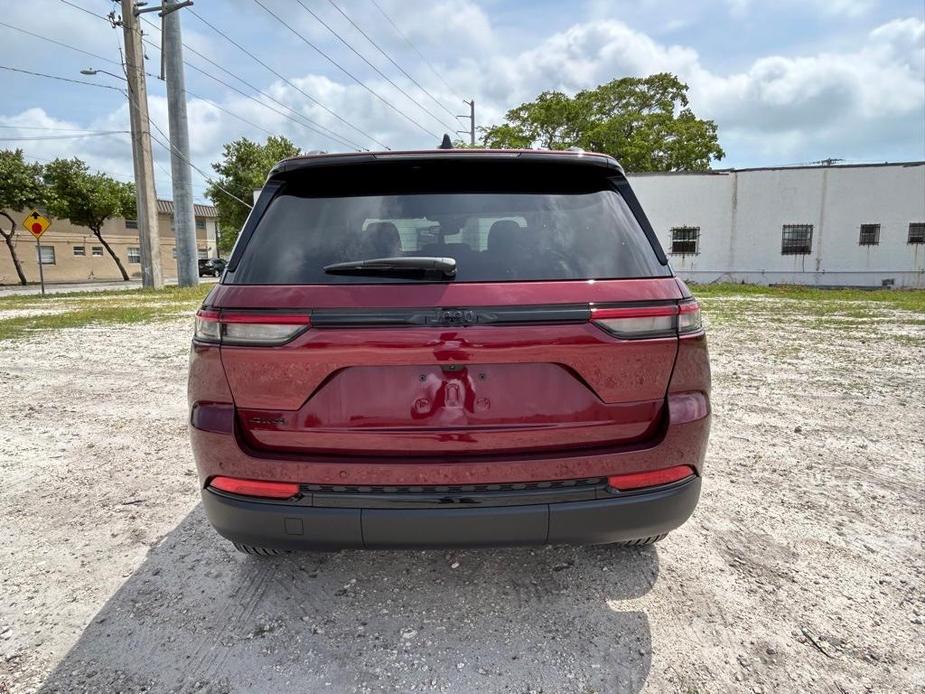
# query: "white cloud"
847,8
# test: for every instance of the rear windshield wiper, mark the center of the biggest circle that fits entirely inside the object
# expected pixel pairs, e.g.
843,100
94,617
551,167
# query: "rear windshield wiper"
395,266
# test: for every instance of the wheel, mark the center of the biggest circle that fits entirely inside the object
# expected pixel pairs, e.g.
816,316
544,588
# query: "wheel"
259,551
642,541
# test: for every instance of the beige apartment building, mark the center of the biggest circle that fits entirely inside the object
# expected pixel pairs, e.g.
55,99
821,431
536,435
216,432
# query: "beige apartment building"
71,253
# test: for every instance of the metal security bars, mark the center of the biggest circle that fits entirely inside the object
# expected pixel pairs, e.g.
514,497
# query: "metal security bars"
685,240
870,235
797,239
916,232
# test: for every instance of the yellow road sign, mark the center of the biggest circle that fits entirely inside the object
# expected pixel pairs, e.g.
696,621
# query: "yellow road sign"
36,223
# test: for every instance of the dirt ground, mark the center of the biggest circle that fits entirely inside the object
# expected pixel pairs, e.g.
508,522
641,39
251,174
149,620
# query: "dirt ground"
801,570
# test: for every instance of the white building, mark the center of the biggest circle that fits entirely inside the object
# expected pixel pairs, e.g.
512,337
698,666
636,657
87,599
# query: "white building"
851,225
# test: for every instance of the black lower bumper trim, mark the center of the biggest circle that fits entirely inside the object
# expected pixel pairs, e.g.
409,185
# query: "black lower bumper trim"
291,526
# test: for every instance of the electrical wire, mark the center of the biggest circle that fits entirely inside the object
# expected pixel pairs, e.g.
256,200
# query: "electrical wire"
61,137
83,9
109,60
413,47
56,77
346,72
305,121
283,78
66,130
59,43
390,59
172,149
376,69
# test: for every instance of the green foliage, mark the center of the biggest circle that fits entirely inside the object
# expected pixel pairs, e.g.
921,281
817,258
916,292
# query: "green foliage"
645,122
21,185
243,169
87,199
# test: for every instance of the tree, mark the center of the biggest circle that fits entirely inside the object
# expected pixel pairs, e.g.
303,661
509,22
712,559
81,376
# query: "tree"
243,169
21,187
88,199
645,122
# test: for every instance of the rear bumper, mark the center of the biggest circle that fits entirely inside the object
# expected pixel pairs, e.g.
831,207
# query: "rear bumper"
283,525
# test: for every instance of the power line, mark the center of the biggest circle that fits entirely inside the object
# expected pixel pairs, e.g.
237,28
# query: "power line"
83,9
413,47
377,70
59,43
308,122
230,113
62,137
252,98
56,77
66,130
284,79
345,71
170,148
389,58
191,93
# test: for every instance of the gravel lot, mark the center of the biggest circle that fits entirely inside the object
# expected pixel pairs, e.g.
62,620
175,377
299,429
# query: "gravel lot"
802,568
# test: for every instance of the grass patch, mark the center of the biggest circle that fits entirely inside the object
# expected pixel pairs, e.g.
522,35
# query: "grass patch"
80,309
117,296
814,300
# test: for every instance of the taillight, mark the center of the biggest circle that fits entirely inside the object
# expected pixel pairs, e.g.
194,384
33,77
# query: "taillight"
634,322
650,478
637,322
243,328
689,317
259,488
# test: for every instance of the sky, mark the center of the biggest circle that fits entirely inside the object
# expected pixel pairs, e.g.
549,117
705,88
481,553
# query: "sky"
786,81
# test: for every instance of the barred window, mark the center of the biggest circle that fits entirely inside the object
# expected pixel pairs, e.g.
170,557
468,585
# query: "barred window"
134,255
97,251
685,240
797,239
916,232
80,250
200,223
131,223
870,235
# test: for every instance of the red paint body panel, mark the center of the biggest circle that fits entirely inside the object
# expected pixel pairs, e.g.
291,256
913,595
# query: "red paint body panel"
283,378
681,441
413,411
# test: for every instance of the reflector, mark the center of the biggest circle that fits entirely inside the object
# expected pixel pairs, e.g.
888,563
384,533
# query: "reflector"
650,478
259,488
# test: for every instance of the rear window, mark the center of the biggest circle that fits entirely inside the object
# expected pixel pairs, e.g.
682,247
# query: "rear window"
496,227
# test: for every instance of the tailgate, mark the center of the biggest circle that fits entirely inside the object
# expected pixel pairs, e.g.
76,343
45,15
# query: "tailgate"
413,382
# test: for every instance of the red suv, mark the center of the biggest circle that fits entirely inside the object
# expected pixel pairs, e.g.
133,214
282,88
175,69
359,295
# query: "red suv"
448,348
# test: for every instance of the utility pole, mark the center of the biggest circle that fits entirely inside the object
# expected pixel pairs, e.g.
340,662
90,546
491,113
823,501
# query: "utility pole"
471,118
142,157
184,221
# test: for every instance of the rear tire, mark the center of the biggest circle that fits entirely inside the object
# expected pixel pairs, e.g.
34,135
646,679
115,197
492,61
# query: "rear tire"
259,551
642,541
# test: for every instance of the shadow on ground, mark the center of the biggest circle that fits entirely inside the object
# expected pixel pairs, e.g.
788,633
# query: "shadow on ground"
197,616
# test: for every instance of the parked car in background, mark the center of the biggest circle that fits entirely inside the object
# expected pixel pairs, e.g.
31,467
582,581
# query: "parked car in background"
211,267
448,348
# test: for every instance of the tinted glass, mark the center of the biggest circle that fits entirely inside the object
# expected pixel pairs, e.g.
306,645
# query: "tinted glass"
493,235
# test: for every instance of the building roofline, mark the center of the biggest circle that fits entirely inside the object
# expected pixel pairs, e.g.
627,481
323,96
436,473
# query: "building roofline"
207,211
